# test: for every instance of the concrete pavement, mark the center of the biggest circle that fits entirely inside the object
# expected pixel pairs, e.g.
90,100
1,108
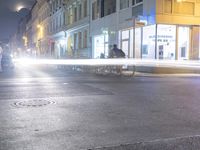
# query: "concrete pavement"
47,109
184,143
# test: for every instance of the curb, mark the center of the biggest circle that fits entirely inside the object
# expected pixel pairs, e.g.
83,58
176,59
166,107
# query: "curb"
137,71
184,143
167,70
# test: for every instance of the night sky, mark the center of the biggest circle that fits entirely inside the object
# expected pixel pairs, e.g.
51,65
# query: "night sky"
9,17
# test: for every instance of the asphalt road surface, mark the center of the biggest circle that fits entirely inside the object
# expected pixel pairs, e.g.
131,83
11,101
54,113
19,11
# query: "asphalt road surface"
50,109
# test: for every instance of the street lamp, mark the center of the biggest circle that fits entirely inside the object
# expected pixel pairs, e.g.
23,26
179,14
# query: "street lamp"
40,36
40,31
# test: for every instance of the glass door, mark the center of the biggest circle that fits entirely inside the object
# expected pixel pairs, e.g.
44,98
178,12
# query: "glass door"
125,44
183,42
125,47
138,42
148,42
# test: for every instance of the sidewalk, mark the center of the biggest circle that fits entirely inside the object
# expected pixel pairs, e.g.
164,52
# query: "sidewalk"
185,143
135,71
167,70
145,71
162,72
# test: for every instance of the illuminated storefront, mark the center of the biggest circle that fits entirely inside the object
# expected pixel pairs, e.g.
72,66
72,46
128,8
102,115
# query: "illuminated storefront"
164,42
153,29
101,46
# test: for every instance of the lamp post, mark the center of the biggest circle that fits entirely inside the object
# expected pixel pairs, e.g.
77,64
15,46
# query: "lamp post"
25,41
40,31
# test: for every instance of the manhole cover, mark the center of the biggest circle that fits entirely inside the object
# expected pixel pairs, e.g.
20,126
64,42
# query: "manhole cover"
33,103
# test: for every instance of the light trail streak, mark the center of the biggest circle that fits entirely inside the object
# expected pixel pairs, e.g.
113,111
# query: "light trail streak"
111,62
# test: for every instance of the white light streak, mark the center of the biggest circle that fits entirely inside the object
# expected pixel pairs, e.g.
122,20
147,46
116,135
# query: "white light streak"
110,62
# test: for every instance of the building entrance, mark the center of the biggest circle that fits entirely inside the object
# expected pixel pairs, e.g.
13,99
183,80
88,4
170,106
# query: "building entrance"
183,42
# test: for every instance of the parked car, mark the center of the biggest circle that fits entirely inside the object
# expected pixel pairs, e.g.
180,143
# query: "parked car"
6,63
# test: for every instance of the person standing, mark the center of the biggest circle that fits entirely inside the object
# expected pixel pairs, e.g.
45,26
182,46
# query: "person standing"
117,53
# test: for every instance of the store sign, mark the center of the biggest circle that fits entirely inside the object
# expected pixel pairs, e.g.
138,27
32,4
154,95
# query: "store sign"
140,21
140,24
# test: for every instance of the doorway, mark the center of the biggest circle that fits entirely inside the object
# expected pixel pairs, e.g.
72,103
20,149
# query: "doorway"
183,43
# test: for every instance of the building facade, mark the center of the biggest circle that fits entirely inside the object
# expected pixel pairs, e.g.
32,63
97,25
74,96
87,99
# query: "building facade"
69,28
148,29
172,31
112,22
56,29
77,28
43,18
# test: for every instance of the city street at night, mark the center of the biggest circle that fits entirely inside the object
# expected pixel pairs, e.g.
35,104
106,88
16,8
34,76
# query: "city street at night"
99,74
50,109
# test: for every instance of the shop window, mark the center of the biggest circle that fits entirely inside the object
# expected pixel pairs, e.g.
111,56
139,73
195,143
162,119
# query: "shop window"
125,47
148,45
125,34
183,42
125,41
138,43
100,46
166,42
